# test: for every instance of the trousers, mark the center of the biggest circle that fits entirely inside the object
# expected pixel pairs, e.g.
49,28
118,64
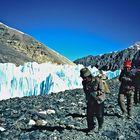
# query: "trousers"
137,96
95,110
126,107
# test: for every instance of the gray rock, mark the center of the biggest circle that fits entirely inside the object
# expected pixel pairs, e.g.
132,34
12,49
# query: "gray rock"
111,134
69,120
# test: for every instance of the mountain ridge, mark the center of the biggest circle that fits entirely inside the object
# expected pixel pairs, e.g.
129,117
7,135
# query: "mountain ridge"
110,61
18,48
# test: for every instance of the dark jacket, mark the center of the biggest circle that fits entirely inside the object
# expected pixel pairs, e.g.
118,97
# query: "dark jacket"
94,90
127,80
137,79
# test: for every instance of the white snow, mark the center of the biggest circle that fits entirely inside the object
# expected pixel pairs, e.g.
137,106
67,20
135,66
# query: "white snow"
41,79
11,28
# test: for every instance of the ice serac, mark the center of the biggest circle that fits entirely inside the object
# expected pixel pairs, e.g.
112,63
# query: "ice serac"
40,79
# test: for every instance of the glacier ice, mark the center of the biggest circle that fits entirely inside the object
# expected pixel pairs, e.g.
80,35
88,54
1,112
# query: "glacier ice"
40,79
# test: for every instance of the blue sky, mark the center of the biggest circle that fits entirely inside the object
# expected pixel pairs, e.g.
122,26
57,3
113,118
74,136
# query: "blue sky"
76,28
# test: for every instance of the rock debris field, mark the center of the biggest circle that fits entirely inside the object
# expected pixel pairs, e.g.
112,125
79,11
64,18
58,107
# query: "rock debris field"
62,116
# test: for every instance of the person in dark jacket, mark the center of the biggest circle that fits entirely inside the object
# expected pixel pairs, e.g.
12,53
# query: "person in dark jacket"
136,66
127,88
93,88
137,85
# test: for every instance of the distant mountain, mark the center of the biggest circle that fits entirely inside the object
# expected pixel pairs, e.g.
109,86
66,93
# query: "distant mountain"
18,48
110,61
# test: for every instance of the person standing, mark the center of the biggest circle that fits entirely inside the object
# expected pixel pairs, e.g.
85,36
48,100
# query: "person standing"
127,88
94,92
137,86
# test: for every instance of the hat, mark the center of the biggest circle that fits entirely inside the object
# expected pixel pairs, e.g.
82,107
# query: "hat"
84,72
127,64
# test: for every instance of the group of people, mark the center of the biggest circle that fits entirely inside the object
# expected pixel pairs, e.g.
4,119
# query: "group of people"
93,87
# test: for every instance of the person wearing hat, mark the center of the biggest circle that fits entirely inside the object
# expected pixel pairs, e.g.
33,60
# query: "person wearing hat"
93,88
127,88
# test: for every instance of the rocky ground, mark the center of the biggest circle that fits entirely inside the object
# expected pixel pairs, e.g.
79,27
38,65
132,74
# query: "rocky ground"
62,116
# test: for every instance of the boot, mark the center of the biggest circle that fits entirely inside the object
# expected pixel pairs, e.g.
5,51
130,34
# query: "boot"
130,115
100,123
100,127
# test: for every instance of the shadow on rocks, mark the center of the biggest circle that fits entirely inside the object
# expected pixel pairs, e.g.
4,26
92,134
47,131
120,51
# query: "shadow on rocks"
52,128
75,115
111,134
58,128
138,126
113,114
48,128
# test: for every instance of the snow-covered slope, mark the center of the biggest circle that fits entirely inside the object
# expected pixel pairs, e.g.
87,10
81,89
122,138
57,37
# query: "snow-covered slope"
39,79
19,48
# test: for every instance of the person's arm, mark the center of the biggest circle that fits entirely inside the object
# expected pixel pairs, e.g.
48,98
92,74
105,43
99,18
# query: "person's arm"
86,90
121,75
100,89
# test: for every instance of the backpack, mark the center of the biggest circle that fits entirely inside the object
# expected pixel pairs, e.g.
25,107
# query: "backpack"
105,85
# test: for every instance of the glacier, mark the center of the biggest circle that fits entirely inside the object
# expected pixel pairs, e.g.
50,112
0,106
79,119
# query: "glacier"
41,79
